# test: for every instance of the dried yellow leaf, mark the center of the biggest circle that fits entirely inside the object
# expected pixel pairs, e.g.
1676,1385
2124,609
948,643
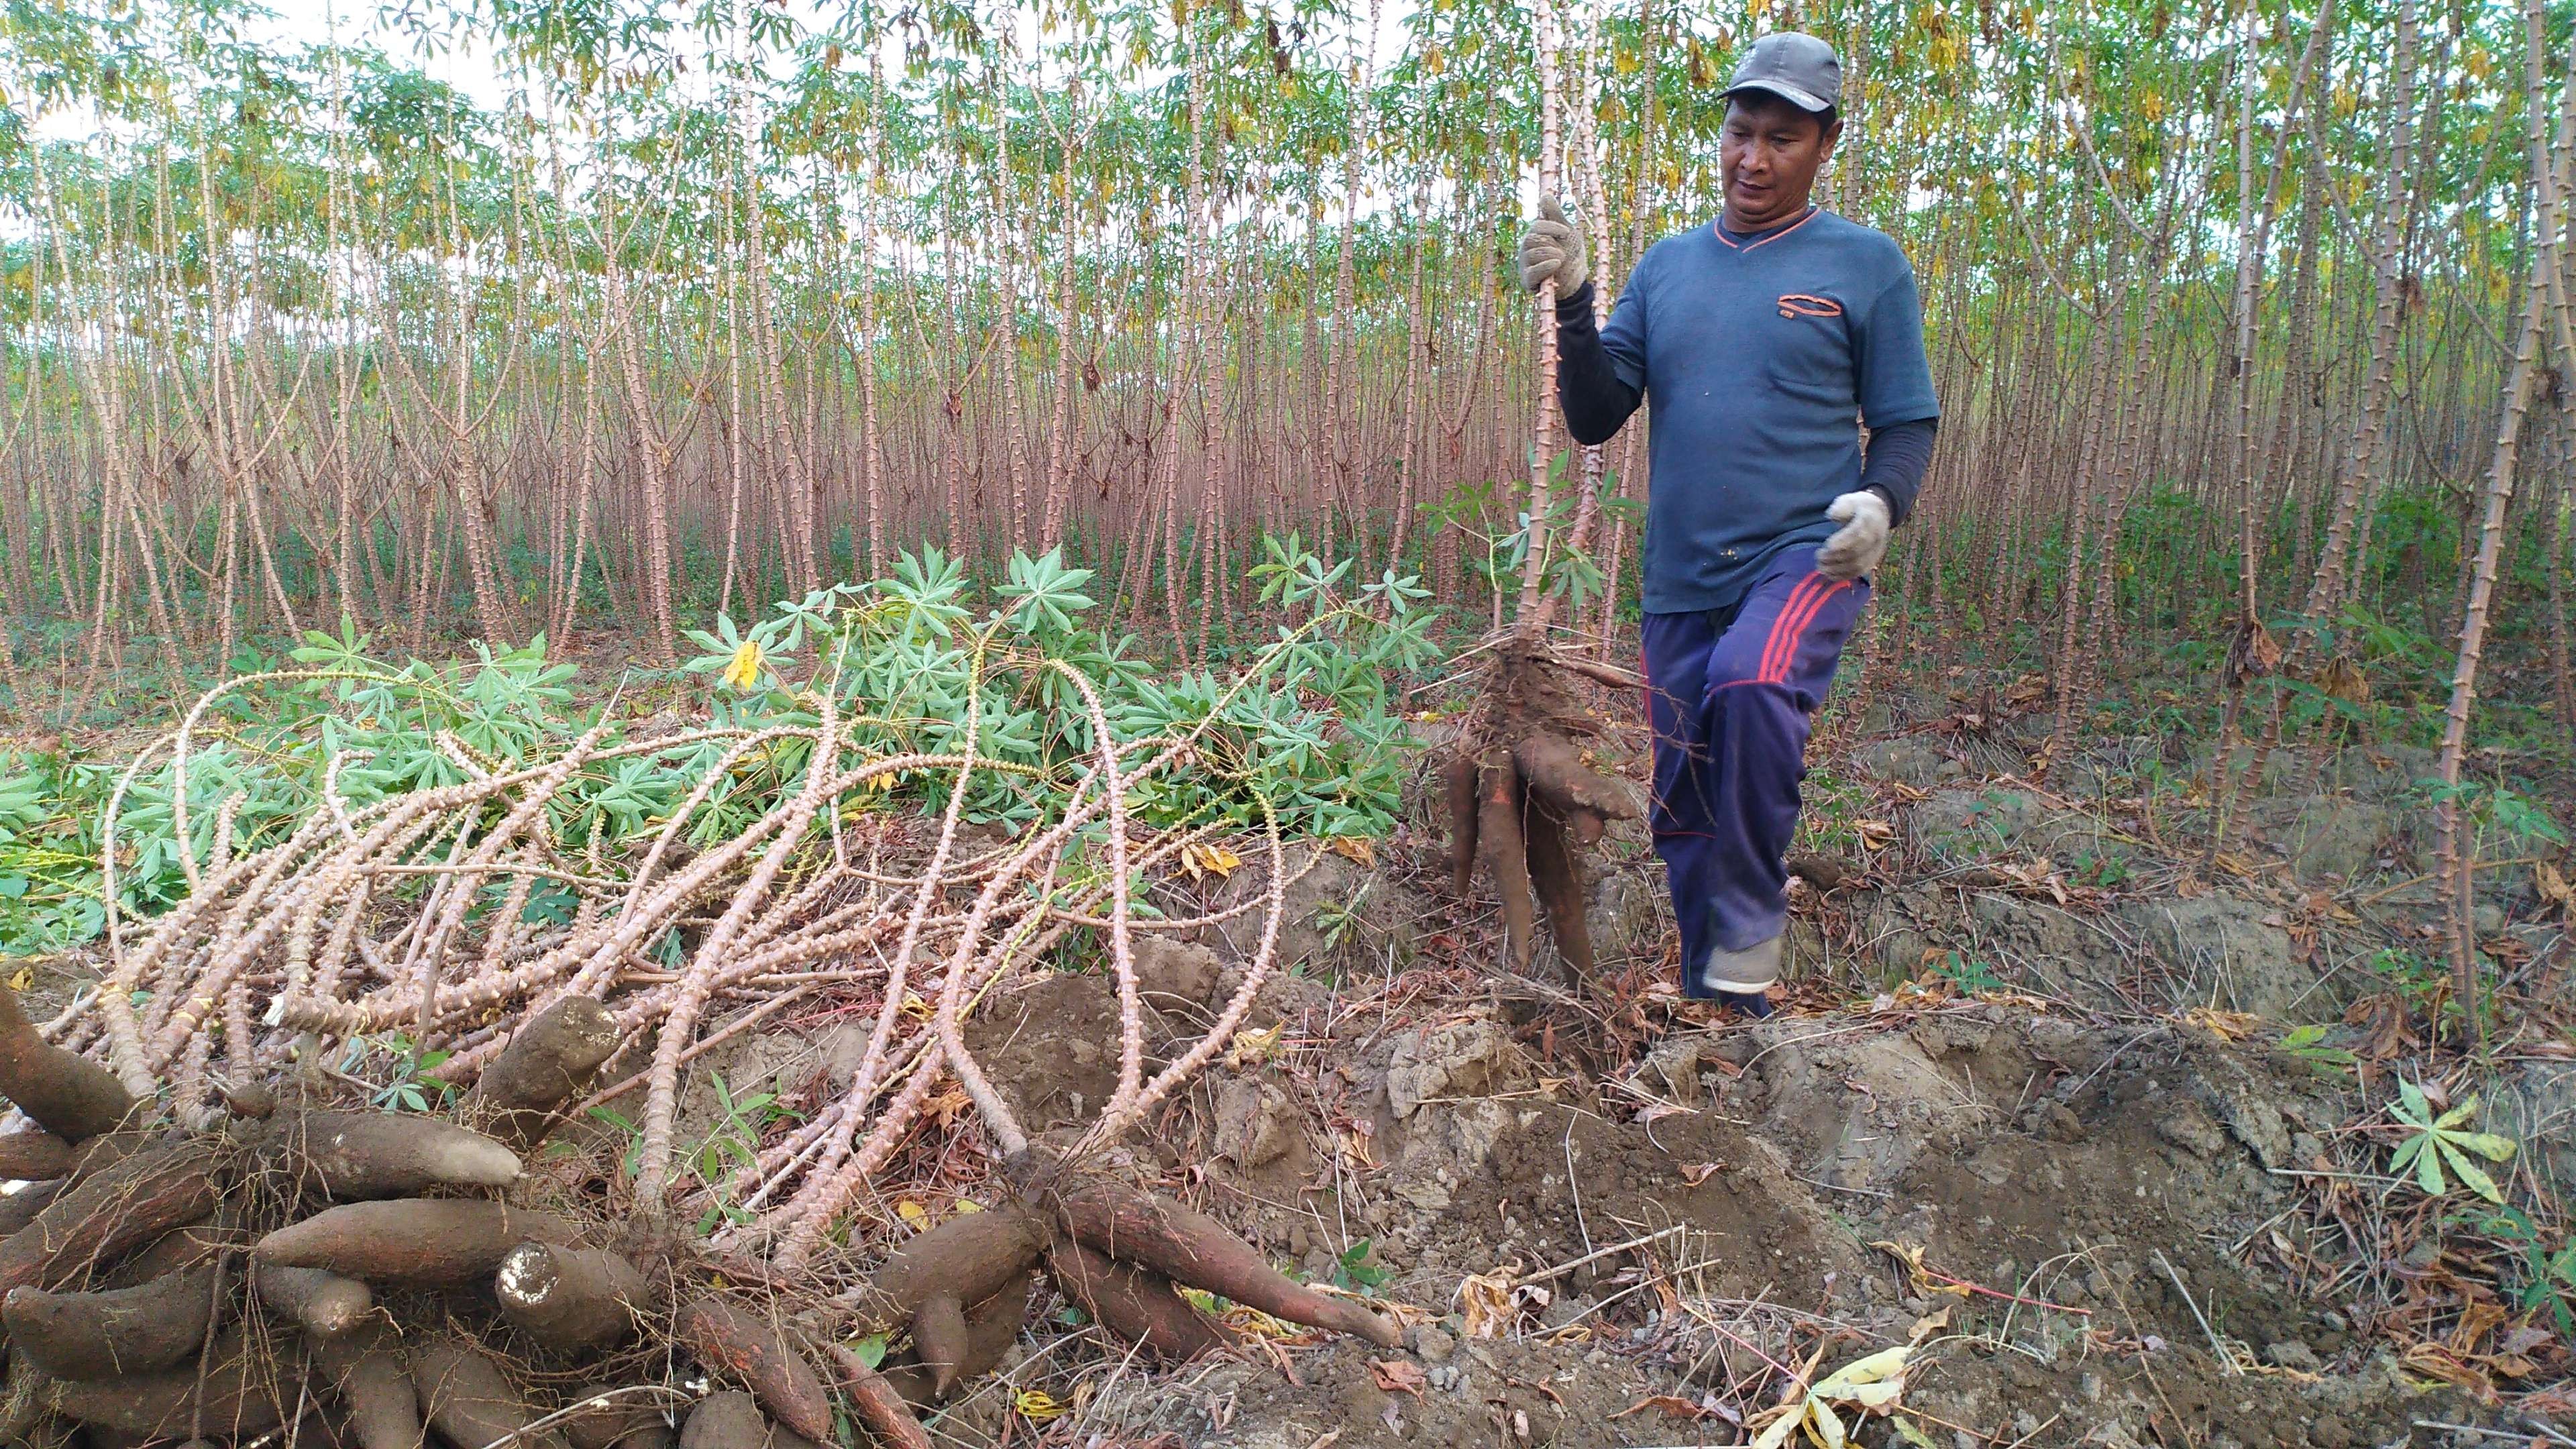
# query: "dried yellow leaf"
2554,889
1038,1405
1912,1257
1251,1047
1872,1385
2224,1025
744,671
1485,1301
1203,860
913,1213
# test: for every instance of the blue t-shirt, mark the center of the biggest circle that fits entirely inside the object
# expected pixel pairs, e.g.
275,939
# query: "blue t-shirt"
1760,358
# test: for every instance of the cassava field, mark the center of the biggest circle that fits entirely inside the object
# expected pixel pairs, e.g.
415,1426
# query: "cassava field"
735,725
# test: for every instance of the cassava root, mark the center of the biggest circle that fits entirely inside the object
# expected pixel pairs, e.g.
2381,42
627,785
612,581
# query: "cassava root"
1520,802
119,1331
573,1300
62,1092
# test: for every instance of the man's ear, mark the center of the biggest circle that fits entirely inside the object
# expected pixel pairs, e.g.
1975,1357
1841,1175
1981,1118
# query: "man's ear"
1833,134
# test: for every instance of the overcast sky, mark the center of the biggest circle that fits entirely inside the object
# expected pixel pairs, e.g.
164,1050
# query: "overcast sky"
470,68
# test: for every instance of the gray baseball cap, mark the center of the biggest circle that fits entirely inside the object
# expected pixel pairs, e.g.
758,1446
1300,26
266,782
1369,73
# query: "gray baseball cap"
1799,69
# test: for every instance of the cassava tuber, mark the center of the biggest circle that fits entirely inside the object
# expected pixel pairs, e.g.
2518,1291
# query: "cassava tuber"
411,1240
116,1332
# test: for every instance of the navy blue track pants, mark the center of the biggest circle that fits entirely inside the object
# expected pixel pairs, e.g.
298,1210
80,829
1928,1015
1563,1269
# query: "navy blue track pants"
1730,694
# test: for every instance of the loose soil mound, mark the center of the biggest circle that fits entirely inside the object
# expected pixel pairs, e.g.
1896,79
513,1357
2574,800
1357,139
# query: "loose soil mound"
2031,1107
2079,1198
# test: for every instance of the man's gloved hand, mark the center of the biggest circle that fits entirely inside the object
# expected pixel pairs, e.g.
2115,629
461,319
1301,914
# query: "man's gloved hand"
1552,249
1861,542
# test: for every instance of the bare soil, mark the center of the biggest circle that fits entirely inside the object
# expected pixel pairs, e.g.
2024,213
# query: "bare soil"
2079,1168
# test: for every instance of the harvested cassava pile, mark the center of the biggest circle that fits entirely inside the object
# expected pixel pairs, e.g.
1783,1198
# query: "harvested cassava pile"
254,1212
260,1295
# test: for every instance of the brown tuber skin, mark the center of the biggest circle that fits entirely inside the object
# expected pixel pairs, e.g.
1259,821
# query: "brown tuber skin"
548,1063
464,1396
118,1332
573,1300
99,1154
411,1240
992,1326
357,1155
616,1420
1583,827
322,1303
757,1352
1137,1304
1554,771
376,1390
232,1395
939,1338
1458,806
131,1203
1187,1247
20,1208
251,1101
726,1420
33,1156
1557,881
1505,852
175,1251
970,1256
875,1401
61,1091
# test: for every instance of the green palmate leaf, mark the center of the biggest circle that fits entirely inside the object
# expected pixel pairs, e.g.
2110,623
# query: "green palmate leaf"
2488,1145
2428,1172
2411,1106
2470,1173
2435,1143
2407,1151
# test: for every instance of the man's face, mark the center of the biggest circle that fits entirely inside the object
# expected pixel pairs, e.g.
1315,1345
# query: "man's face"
1768,158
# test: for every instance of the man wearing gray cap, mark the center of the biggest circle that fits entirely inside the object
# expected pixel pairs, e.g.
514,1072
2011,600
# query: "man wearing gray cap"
1766,339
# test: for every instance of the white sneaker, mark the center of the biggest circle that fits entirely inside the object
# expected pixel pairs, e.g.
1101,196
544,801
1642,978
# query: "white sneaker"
1748,972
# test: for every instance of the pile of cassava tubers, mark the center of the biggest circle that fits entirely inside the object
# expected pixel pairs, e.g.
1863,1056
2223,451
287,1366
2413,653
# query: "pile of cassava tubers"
295,1270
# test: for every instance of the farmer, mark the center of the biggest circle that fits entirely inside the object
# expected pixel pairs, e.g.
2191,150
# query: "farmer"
1766,339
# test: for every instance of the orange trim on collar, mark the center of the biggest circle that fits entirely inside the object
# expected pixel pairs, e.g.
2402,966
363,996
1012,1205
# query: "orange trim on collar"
1717,228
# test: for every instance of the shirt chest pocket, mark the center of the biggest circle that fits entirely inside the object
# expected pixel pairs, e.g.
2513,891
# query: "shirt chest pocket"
1807,350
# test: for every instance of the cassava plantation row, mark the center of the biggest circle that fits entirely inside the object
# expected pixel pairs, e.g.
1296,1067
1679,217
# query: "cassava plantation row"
679,313
706,309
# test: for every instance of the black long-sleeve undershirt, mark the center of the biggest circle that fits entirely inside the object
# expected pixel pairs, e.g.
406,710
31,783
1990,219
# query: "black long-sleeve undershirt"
1595,400
1893,464
1597,403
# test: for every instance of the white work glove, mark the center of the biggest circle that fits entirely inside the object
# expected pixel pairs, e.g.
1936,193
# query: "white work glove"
1861,542
1552,248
